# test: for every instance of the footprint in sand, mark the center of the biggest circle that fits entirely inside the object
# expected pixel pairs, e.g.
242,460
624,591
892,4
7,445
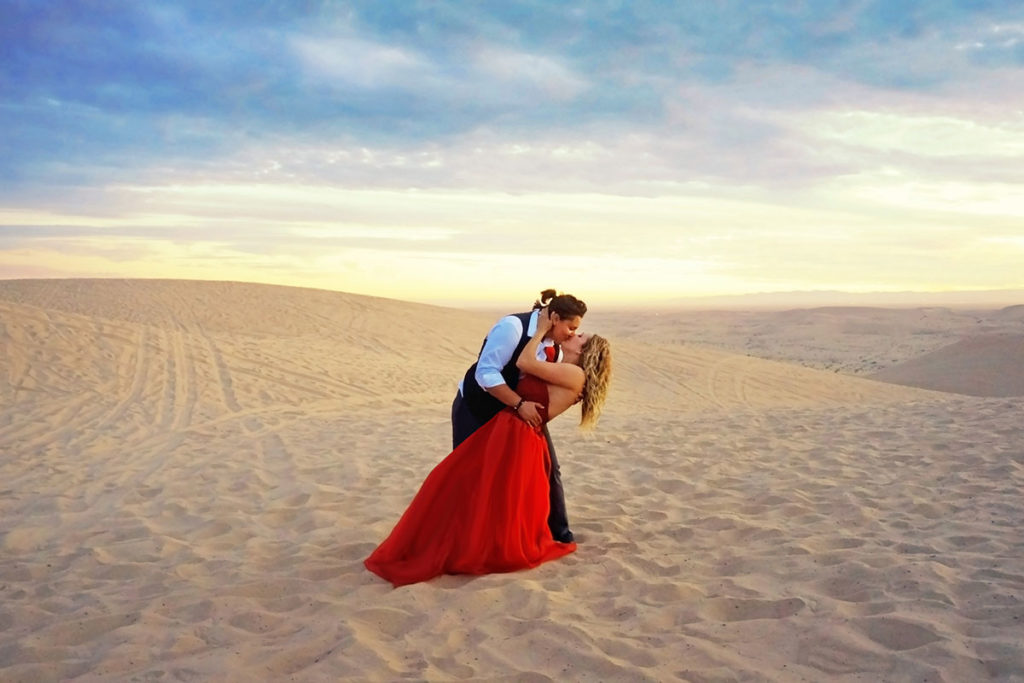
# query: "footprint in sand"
633,655
734,609
78,631
256,622
897,634
393,623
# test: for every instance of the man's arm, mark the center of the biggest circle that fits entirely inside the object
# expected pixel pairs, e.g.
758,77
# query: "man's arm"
497,352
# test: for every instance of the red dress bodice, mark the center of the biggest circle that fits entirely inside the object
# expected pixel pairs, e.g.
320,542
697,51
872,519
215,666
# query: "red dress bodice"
533,389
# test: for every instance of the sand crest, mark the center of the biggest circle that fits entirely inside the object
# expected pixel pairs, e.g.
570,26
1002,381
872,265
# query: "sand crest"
191,474
989,365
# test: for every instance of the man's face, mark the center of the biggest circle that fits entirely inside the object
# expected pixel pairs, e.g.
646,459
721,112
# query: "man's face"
563,328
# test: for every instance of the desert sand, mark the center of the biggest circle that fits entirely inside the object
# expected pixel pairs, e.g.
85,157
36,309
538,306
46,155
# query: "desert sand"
191,474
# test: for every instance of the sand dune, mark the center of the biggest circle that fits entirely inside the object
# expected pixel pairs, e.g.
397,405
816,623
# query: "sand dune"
855,340
991,365
685,378
191,474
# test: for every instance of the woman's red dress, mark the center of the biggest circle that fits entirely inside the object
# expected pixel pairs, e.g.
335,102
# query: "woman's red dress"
483,509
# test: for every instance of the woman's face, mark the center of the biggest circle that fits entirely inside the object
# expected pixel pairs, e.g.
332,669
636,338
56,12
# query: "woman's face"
562,329
575,343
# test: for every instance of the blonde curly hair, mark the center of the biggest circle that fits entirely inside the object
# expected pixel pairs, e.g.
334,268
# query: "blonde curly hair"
596,361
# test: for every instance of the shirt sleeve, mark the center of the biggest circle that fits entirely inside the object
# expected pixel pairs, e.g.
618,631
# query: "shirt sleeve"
497,352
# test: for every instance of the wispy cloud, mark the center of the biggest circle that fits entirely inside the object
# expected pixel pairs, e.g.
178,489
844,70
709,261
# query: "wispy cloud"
345,61
925,136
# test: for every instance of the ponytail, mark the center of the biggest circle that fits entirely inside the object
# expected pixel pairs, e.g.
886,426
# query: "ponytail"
565,305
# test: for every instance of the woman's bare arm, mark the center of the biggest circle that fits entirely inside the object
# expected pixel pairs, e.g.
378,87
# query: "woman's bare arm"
560,374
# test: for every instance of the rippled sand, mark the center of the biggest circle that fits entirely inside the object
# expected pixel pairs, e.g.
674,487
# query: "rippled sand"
191,474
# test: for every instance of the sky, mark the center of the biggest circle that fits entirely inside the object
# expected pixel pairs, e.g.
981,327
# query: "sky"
478,152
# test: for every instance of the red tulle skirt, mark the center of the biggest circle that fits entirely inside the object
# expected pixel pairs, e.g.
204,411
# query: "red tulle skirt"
483,509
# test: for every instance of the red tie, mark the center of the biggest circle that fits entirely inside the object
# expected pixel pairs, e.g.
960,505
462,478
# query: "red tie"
551,353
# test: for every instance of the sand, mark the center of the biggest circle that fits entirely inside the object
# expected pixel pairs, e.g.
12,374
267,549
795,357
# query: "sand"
191,474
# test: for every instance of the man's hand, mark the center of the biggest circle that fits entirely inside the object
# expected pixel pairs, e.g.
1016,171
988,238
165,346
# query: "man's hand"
529,413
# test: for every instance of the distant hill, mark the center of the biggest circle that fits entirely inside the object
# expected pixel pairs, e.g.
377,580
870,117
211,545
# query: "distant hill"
779,300
991,365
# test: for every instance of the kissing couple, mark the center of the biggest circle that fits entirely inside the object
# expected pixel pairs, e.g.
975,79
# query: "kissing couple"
496,502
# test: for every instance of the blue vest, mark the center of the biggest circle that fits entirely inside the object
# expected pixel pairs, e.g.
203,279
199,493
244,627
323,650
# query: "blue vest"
480,403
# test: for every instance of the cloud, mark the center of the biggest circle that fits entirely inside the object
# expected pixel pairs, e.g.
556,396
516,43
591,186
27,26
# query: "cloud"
999,43
926,136
348,61
538,74
429,90
106,94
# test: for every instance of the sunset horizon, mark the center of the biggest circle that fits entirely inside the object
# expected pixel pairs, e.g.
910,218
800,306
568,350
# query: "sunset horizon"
520,296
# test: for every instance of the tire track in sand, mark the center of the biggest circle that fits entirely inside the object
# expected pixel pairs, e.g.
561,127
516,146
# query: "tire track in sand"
191,325
142,361
220,369
181,377
726,383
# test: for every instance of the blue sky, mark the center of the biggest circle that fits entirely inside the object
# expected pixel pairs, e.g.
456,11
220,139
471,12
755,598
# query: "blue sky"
458,151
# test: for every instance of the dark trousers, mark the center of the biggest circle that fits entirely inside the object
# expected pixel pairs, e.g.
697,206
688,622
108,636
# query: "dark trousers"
464,423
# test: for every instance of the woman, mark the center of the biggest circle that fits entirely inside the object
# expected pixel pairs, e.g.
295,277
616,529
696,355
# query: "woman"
484,508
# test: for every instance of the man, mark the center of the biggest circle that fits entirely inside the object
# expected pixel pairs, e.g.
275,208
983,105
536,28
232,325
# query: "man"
490,384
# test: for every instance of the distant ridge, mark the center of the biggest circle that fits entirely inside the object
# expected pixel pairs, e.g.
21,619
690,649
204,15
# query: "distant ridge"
777,300
986,365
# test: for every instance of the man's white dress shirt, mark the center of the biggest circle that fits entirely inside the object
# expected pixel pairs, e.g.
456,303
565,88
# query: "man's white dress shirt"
501,343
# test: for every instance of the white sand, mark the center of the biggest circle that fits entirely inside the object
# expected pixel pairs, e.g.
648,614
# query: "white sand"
191,474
